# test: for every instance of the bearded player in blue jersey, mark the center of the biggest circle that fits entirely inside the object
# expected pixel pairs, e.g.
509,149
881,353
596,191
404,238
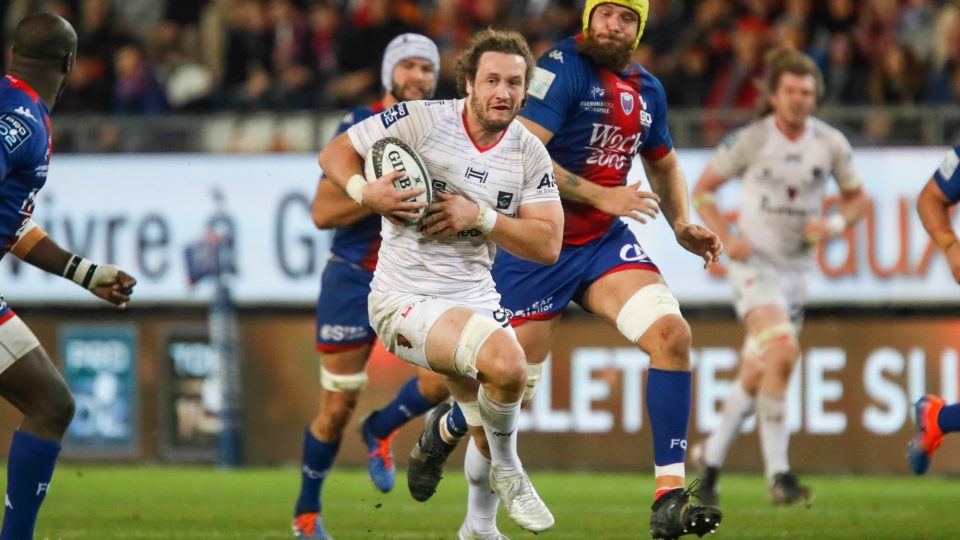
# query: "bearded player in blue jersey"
44,48
344,337
934,417
595,109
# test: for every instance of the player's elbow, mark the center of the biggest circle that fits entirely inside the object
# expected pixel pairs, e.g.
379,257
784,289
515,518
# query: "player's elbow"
322,217
551,244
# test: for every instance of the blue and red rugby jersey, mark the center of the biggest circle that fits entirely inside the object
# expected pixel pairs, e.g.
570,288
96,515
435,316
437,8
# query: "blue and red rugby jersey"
359,242
947,175
25,145
600,120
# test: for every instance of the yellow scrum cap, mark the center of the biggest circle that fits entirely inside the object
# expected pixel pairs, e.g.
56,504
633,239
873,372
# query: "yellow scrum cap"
640,7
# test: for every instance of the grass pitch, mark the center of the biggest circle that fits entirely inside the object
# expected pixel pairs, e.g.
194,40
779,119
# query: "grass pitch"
105,503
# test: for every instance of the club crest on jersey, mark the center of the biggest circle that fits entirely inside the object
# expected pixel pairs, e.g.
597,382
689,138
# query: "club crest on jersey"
13,131
626,102
504,198
556,55
391,115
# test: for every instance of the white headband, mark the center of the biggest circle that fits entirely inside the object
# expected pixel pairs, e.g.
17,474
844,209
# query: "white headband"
408,46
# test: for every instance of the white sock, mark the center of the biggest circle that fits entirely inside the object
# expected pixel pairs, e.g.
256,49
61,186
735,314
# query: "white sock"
774,433
738,406
482,502
500,425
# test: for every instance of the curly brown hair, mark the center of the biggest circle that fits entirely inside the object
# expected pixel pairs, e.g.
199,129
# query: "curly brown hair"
490,40
786,60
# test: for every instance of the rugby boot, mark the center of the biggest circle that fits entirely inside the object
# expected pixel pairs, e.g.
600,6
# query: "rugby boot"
380,465
521,500
309,525
429,455
924,444
675,515
466,533
787,490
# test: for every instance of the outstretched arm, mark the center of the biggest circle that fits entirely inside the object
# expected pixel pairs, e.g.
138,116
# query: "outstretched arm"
333,208
624,201
934,210
668,182
104,281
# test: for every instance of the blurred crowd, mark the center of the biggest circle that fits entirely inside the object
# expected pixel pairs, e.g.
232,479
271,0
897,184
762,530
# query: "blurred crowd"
152,56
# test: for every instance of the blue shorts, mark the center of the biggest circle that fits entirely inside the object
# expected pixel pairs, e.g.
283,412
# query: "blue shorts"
342,320
534,291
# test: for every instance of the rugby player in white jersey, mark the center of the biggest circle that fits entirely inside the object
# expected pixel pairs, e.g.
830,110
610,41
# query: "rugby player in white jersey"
784,160
433,302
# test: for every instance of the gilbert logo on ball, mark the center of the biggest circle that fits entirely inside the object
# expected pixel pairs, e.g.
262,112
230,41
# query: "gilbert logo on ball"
392,154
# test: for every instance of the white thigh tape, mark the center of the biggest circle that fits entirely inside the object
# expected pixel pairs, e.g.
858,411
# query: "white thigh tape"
475,333
644,308
342,383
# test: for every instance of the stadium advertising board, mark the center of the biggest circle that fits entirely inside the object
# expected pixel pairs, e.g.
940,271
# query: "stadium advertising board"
100,367
853,390
190,396
885,260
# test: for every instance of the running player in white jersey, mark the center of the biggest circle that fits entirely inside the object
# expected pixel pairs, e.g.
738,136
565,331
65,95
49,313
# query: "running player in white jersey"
432,301
784,160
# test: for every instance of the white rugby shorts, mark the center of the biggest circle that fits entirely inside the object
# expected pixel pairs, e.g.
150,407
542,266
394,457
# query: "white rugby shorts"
403,321
758,282
16,340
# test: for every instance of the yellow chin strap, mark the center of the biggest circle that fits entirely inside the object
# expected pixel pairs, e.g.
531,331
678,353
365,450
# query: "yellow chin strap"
640,7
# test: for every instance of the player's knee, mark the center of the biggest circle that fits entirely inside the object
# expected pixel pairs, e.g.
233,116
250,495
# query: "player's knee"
56,411
505,366
668,340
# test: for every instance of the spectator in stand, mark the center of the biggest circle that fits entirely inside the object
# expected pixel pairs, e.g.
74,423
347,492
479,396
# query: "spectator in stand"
324,20
246,72
943,88
686,84
844,73
291,58
137,90
897,77
373,25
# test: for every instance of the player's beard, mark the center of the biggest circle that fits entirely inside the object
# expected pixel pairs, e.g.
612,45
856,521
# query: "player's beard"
488,123
409,92
613,55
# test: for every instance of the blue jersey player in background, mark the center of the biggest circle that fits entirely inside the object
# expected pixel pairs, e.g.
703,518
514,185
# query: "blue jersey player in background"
595,109
344,337
44,48
933,416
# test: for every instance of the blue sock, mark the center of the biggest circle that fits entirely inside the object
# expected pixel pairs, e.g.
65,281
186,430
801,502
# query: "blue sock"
668,405
318,458
456,423
29,470
408,404
949,418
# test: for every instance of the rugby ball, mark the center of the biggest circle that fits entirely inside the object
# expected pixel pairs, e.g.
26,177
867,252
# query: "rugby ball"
392,154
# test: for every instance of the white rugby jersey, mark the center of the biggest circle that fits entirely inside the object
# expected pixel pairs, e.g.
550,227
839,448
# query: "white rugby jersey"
784,182
515,171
